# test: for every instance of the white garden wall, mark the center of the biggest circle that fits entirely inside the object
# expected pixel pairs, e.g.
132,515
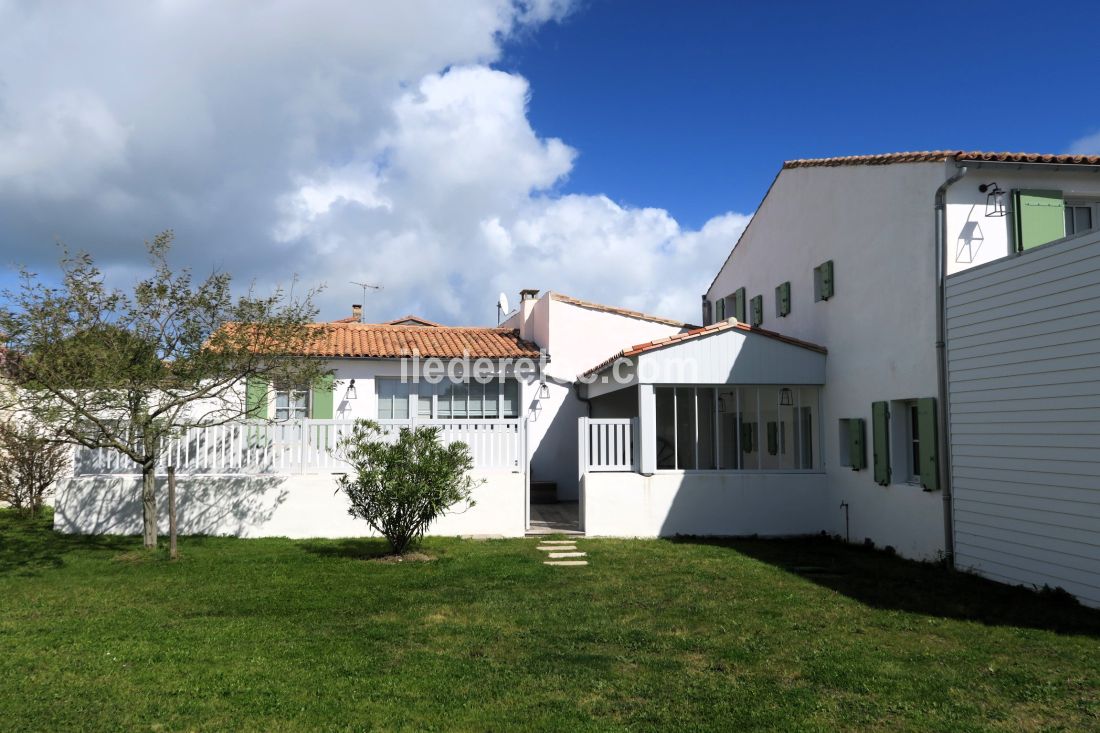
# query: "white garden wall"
270,506
717,503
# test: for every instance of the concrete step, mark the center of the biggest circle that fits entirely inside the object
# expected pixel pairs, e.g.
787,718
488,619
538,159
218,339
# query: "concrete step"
565,562
560,555
556,548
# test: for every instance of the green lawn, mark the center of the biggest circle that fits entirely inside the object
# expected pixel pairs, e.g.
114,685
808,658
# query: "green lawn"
273,635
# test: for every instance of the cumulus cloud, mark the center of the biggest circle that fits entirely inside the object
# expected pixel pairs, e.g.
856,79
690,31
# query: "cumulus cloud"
335,141
1087,145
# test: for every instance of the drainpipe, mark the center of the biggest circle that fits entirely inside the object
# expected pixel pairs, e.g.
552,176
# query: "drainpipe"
944,467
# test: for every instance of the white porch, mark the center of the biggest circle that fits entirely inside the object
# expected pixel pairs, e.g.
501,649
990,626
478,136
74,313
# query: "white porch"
715,432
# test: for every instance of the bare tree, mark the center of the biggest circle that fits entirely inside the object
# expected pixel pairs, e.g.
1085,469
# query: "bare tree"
124,371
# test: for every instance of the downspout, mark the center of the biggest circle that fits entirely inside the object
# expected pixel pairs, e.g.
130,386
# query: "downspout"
944,467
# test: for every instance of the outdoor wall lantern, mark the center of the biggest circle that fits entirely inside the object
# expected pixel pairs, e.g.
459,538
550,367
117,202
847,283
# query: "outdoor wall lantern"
350,394
544,390
785,397
994,199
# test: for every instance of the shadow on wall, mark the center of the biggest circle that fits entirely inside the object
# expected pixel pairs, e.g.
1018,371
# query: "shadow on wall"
881,580
222,505
555,459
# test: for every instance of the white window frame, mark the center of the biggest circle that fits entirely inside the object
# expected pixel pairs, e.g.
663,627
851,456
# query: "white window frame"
1078,202
291,409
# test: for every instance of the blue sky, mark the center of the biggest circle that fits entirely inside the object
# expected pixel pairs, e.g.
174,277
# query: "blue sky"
450,151
692,106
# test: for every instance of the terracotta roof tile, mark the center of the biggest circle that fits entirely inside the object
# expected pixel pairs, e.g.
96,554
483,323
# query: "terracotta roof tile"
562,298
384,341
934,156
698,333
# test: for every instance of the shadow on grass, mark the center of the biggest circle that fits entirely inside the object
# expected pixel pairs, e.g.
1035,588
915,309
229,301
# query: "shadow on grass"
882,580
360,548
29,544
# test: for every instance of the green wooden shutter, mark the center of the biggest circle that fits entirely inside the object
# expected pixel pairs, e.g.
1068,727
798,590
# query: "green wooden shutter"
773,438
827,286
739,305
756,309
783,299
746,437
1038,217
857,454
880,441
320,399
255,398
928,435
720,310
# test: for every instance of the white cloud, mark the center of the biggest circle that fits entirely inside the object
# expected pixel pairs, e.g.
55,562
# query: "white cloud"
1087,145
339,141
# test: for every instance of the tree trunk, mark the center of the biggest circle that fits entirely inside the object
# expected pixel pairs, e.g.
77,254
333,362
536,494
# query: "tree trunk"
149,503
172,553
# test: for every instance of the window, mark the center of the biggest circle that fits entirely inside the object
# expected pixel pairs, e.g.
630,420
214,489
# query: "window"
393,399
824,286
913,444
767,428
905,429
448,400
756,310
783,300
291,403
1080,216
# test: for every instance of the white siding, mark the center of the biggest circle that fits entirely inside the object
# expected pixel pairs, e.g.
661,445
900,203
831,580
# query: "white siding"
1023,358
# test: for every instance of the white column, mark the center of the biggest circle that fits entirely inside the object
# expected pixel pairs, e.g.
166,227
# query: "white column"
647,427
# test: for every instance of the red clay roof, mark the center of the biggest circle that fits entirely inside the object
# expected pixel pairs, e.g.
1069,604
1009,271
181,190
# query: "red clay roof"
935,156
700,333
385,341
562,298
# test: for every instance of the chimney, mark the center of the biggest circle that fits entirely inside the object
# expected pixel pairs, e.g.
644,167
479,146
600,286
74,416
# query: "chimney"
357,312
527,299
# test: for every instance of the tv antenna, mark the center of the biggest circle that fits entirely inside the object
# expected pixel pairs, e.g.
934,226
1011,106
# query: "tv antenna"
366,287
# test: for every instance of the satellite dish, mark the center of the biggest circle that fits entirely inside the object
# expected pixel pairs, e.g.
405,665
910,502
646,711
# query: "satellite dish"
502,303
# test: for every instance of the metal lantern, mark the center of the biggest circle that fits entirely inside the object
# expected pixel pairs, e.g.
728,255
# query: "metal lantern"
786,399
351,394
994,199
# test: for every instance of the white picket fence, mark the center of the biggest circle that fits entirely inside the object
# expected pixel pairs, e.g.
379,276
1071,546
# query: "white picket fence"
302,447
608,444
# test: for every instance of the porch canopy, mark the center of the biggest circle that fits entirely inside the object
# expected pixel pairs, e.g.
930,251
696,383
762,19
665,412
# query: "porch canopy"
726,396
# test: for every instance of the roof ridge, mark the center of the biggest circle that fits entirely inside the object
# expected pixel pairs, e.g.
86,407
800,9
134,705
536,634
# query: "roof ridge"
614,309
936,156
695,333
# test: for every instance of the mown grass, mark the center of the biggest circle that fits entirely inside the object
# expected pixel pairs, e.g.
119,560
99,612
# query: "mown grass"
279,635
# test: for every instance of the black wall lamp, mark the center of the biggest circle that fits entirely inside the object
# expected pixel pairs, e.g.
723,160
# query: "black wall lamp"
994,199
351,394
785,397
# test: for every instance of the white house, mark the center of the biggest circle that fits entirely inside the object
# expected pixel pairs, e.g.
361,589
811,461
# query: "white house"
902,349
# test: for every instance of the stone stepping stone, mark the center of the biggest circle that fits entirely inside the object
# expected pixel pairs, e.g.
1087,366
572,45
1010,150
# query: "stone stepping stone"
557,548
559,555
557,542
565,562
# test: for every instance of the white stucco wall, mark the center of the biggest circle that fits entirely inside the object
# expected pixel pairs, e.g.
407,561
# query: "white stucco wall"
876,224
270,506
720,503
577,338
974,238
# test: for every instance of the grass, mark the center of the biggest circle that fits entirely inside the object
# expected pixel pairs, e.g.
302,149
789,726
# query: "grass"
280,635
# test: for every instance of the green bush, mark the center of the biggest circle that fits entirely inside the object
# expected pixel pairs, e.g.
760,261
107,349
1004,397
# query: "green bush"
399,487
30,461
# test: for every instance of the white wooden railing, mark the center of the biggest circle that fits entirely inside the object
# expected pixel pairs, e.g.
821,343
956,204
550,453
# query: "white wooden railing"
608,444
302,447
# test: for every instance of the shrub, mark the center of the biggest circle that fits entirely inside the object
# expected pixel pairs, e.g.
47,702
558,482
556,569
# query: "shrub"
30,461
399,487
